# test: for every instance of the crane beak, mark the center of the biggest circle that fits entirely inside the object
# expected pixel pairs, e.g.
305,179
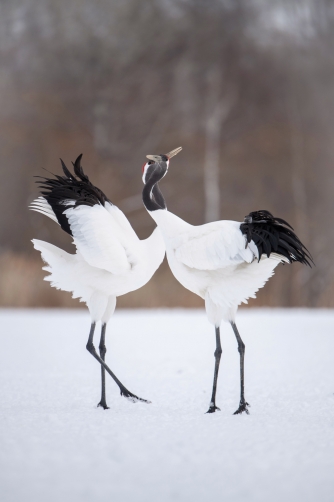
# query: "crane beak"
174,152
157,158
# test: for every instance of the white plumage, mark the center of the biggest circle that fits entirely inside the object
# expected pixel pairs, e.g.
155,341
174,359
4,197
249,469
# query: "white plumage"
223,262
110,259
213,262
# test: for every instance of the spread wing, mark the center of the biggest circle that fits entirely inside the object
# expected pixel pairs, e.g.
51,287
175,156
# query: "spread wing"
100,240
213,246
101,232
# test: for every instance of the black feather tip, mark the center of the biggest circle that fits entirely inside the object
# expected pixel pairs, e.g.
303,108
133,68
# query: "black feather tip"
71,187
274,235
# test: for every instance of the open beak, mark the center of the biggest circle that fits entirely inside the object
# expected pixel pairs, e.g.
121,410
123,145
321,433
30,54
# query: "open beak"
157,158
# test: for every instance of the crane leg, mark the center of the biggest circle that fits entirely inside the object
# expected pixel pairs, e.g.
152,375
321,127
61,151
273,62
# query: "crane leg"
103,350
124,391
217,354
241,348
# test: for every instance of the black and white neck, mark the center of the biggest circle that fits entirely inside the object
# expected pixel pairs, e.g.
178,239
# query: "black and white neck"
153,172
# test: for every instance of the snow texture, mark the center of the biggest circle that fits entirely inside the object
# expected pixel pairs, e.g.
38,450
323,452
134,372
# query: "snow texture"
56,445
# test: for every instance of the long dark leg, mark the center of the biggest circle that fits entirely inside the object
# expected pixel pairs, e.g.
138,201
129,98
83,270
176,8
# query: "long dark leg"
217,354
241,348
103,350
124,391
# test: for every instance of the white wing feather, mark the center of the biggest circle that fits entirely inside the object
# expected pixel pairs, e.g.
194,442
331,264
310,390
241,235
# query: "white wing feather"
213,246
41,205
100,240
122,221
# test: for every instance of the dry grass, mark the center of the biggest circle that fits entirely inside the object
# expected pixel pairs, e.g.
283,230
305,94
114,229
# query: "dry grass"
22,285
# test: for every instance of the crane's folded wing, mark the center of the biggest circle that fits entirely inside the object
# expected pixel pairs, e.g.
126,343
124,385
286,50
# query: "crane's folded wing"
212,246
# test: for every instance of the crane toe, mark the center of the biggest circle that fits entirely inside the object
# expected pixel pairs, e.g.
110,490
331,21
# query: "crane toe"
213,408
133,398
103,405
242,408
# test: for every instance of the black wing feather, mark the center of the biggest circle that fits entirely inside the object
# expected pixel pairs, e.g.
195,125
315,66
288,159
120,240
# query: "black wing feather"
78,169
60,189
67,172
274,235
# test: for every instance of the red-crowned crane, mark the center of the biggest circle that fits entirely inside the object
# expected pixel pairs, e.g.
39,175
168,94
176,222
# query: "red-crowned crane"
223,262
110,259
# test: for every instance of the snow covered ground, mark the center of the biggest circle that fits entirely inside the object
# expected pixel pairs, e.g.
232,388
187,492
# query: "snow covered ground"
57,446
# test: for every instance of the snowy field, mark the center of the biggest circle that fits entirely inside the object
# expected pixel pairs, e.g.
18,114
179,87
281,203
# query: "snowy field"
57,446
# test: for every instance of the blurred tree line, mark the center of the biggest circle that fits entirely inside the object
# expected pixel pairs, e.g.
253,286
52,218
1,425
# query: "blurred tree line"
245,86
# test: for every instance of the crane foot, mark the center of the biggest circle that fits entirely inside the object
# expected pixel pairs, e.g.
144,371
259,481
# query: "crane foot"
132,397
213,408
103,405
242,408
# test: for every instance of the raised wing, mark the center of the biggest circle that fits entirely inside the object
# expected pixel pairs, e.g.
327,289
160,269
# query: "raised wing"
62,192
41,205
122,221
213,246
99,239
101,232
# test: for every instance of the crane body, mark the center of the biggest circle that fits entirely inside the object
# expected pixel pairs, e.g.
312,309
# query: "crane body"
110,259
223,262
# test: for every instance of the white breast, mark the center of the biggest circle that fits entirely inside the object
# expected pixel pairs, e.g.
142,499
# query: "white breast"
213,262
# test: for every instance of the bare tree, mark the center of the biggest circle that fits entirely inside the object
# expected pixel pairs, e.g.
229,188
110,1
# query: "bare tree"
117,80
218,108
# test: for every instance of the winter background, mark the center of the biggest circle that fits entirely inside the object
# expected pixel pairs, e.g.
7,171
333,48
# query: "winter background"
247,88
56,445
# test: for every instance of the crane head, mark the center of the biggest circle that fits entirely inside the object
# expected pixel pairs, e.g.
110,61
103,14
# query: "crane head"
158,163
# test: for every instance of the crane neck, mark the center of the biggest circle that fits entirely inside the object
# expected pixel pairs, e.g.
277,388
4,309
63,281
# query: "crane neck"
152,196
